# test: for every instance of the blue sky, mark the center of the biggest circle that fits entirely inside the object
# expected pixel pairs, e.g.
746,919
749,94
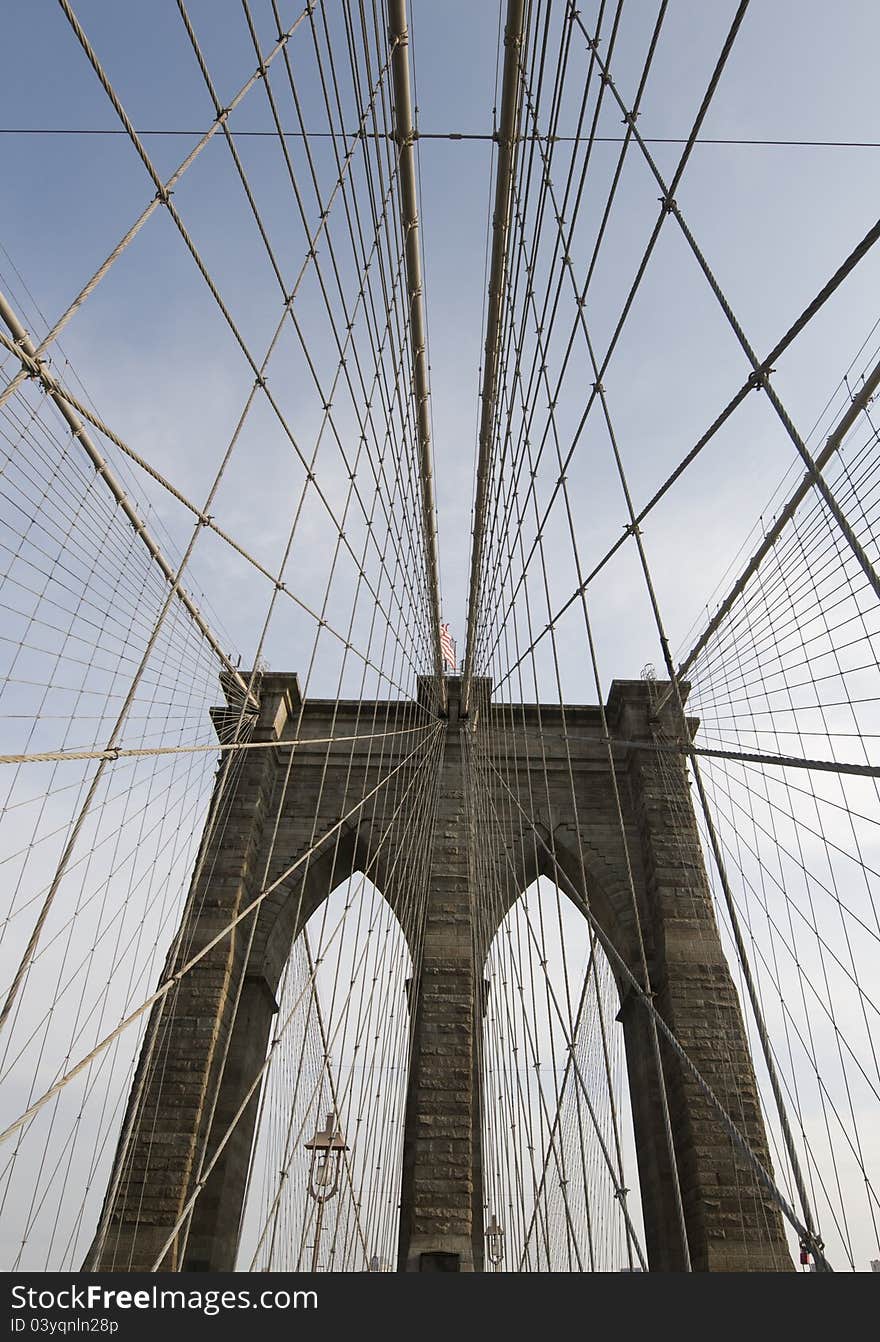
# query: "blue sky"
159,364
774,223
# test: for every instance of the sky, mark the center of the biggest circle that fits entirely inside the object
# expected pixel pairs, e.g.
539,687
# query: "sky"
149,348
774,223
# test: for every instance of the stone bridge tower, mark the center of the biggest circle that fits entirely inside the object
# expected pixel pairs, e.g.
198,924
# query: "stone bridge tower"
731,1225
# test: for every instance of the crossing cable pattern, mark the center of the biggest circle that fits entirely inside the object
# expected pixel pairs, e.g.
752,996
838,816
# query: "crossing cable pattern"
89,631
530,948
112,658
799,634
514,608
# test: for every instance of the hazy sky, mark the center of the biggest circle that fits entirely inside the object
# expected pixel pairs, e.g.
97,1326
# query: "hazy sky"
774,222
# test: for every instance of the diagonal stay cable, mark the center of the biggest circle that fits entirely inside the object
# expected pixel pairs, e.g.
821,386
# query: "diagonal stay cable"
858,252
133,752
327,396
828,289
38,369
857,404
23,345
258,369
645,1001
641,269
170,983
760,372
168,186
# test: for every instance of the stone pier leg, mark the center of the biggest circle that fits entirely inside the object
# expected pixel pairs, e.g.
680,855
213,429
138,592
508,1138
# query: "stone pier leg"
177,1077
212,1243
441,1226
731,1223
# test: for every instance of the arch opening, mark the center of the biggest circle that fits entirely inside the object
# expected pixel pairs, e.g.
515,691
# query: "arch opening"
342,1044
559,1164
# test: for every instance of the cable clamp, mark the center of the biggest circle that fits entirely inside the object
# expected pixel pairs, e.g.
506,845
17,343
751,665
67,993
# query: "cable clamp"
669,205
759,377
620,1193
31,364
598,388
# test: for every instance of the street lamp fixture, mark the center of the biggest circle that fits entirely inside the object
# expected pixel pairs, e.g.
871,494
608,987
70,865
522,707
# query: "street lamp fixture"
495,1238
326,1149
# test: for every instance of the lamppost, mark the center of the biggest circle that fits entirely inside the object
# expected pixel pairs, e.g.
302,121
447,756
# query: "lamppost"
326,1147
495,1237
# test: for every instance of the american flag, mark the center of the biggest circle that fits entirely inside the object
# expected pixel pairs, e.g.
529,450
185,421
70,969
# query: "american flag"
447,647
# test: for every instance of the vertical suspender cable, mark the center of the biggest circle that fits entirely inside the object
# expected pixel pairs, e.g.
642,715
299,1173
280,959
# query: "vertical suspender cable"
858,403
404,134
507,142
80,433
